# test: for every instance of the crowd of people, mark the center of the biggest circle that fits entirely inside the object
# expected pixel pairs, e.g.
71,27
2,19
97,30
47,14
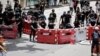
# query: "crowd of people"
37,19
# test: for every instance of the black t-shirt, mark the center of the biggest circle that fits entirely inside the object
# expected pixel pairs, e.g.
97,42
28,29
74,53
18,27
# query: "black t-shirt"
10,14
78,16
93,15
36,14
52,15
76,23
51,20
34,25
66,18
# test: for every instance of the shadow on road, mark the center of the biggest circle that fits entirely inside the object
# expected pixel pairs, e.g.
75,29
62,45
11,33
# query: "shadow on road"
21,44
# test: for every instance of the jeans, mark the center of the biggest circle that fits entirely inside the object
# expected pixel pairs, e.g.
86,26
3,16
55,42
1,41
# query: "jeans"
95,43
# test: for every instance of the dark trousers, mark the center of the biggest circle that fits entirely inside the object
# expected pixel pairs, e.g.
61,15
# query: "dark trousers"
33,33
19,31
95,43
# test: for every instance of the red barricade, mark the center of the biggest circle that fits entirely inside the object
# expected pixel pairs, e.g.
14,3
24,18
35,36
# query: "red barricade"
47,36
89,32
10,33
26,28
66,36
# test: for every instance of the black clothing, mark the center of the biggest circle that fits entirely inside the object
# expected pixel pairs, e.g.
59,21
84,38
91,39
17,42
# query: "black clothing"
92,21
42,17
93,15
51,25
66,18
20,26
76,24
43,24
34,27
95,42
17,9
52,17
67,26
42,8
36,15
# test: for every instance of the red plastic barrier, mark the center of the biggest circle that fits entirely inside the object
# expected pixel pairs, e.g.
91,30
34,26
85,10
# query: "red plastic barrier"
89,32
26,28
66,36
47,36
10,34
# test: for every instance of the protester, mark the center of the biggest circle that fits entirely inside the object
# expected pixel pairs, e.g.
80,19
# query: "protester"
17,10
52,16
65,19
95,41
34,26
97,7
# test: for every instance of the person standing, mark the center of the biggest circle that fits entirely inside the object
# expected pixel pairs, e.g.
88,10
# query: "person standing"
17,10
8,5
81,3
52,19
97,7
52,16
34,26
55,2
93,18
75,4
42,7
65,19
95,41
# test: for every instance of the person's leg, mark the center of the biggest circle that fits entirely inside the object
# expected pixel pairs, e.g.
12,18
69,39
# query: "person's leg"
92,48
20,34
19,31
97,49
34,34
31,34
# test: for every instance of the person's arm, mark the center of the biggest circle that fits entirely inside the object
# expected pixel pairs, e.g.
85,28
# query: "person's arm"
3,48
